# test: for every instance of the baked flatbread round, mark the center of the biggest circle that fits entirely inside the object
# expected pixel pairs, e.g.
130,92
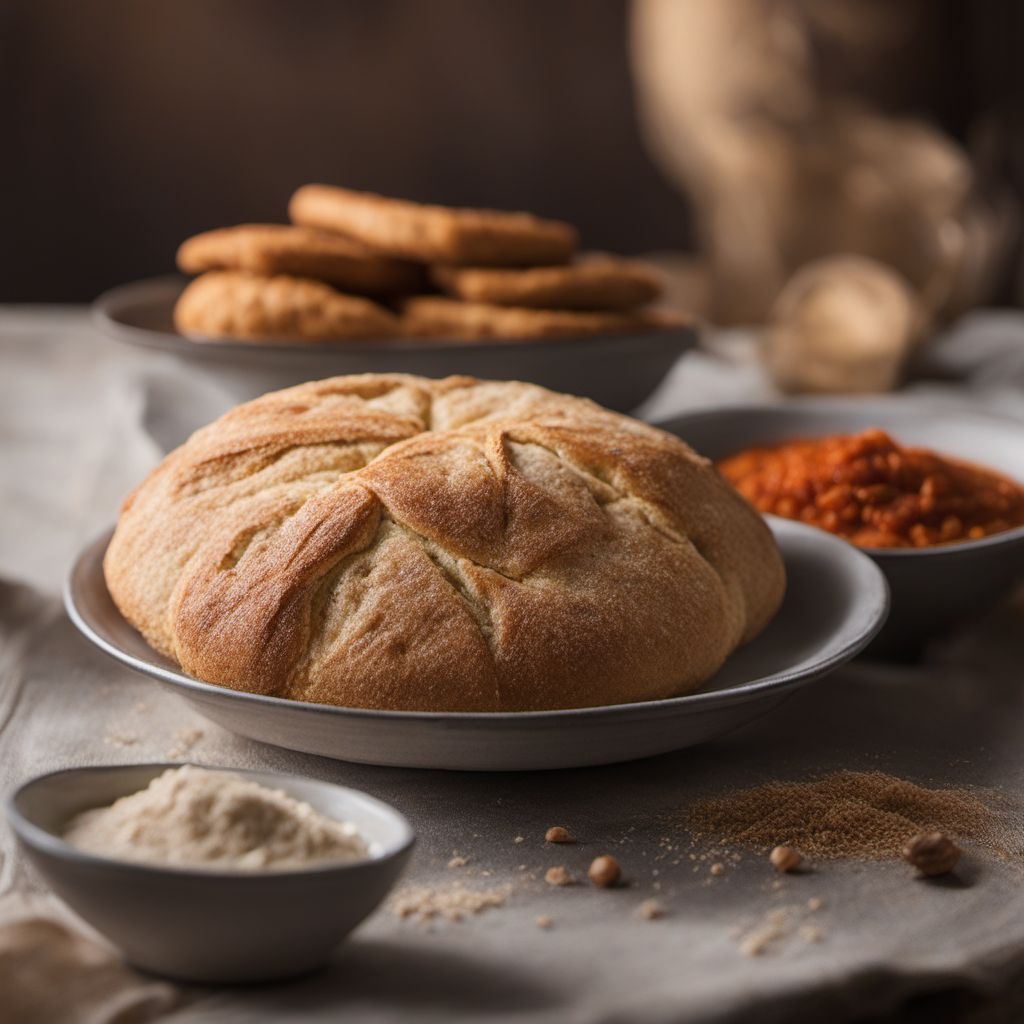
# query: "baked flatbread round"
230,304
434,234
437,316
271,249
598,283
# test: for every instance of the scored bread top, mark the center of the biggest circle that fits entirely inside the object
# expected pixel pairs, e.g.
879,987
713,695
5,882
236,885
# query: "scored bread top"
389,541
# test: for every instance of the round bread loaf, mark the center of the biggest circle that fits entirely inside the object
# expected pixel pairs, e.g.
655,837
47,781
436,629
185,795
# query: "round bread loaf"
387,541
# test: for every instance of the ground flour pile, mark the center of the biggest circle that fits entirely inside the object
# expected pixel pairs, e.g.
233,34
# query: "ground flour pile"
192,817
864,815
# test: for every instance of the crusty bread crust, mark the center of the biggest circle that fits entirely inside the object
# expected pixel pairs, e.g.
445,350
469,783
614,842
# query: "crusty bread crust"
456,545
231,304
271,249
434,234
598,283
437,316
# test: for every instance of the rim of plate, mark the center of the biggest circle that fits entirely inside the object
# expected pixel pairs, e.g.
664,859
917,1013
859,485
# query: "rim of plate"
106,314
873,594
900,406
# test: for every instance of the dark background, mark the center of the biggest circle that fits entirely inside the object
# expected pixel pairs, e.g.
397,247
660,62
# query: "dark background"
131,124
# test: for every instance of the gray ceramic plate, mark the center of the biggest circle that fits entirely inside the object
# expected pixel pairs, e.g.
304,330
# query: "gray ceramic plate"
933,589
836,601
617,370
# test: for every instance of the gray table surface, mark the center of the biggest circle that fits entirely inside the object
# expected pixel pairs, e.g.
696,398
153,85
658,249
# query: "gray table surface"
81,419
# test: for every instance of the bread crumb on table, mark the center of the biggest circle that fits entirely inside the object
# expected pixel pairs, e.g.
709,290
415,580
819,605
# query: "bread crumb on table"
558,875
543,921
453,903
184,741
650,910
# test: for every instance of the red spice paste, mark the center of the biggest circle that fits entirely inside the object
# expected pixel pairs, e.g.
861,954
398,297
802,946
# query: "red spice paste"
876,493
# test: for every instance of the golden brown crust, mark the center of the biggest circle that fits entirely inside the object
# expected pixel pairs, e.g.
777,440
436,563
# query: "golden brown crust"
397,542
592,284
231,304
271,249
434,234
437,316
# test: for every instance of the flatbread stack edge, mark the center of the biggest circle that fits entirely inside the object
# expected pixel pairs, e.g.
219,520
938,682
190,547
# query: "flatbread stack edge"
360,266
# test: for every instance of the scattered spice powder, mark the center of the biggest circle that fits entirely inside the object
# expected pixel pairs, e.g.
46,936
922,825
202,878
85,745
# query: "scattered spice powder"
875,492
848,814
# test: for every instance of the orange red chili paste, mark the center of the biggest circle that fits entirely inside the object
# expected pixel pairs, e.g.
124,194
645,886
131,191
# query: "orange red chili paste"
876,493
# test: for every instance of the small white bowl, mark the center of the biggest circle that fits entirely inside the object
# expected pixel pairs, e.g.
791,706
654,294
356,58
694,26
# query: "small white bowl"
210,926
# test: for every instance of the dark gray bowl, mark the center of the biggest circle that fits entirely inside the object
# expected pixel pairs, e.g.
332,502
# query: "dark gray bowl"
617,370
933,589
836,600
210,926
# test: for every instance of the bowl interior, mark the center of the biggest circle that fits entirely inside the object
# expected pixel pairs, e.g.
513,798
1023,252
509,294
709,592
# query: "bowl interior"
989,441
47,803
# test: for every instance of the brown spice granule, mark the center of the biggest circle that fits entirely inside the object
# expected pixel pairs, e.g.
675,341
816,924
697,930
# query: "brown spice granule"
865,815
458,861
543,921
453,902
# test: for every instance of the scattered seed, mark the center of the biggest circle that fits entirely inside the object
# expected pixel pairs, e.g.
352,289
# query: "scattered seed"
558,834
604,871
932,853
785,859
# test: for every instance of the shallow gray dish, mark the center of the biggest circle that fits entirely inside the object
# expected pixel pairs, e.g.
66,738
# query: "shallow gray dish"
210,926
933,589
836,601
617,370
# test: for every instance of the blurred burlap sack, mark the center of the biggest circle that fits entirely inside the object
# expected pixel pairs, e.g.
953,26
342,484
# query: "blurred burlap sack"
762,112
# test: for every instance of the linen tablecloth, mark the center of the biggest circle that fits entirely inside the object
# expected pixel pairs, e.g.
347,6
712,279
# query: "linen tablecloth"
83,418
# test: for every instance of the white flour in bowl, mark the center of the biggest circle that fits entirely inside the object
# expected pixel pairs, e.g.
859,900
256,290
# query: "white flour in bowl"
193,817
